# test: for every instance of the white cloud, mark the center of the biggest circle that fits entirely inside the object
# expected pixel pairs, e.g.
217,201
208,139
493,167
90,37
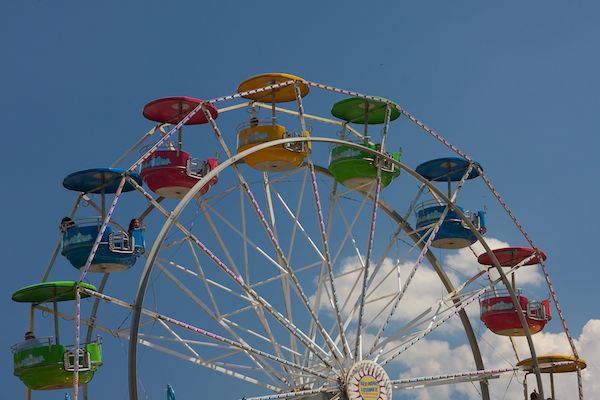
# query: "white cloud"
424,292
435,357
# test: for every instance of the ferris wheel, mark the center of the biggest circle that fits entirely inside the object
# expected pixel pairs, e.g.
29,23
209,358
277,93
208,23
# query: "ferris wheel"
308,260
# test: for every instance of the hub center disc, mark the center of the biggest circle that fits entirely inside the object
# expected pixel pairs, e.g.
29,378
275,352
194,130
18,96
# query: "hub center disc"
367,380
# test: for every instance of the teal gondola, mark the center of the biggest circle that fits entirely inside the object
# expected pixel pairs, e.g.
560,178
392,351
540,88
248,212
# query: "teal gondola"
454,231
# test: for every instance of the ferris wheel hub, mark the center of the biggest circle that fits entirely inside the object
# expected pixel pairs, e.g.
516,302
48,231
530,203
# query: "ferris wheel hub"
367,380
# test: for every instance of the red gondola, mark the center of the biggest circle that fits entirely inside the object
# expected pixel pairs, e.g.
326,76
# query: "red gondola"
172,173
499,314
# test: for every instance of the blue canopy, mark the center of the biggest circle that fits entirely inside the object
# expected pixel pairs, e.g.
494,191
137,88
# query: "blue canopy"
447,169
97,179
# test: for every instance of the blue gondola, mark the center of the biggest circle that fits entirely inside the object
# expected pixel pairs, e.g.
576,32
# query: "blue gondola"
118,249
454,232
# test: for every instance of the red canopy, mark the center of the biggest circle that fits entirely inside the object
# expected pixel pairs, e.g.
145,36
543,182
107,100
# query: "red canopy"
174,109
511,256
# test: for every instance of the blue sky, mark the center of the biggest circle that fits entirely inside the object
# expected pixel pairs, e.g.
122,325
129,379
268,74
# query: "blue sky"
513,84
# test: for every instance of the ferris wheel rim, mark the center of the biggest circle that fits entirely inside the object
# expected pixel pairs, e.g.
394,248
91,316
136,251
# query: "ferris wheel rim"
326,140
228,163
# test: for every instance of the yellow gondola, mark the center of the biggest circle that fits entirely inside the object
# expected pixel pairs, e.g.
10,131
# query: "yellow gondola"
283,157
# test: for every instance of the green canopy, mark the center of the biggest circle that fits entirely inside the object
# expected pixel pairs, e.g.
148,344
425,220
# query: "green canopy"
360,111
49,291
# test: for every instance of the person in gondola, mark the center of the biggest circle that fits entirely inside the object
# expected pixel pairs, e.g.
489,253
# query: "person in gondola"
134,224
534,395
30,342
66,223
135,234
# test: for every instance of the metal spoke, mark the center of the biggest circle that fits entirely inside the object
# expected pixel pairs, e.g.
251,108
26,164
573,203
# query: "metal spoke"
247,240
202,276
328,263
434,326
424,250
240,345
214,367
285,285
178,338
244,236
349,228
280,276
218,236
252,294
297,225
363,293
209,281
451,378
219,320
198,343
325,255
335,352
298,394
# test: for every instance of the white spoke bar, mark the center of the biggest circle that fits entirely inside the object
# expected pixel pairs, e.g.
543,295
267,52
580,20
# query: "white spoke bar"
349,227
310,344
312,117
218,237
363,293
188,341
433,327
324,240
415,383
205,333
212,366
274,241
422,255
123,333
280,276
216,284
293,395
245,238
218,320
298,224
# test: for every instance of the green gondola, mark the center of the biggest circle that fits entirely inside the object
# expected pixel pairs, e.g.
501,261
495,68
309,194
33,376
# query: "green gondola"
51,365
45,364
356,168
